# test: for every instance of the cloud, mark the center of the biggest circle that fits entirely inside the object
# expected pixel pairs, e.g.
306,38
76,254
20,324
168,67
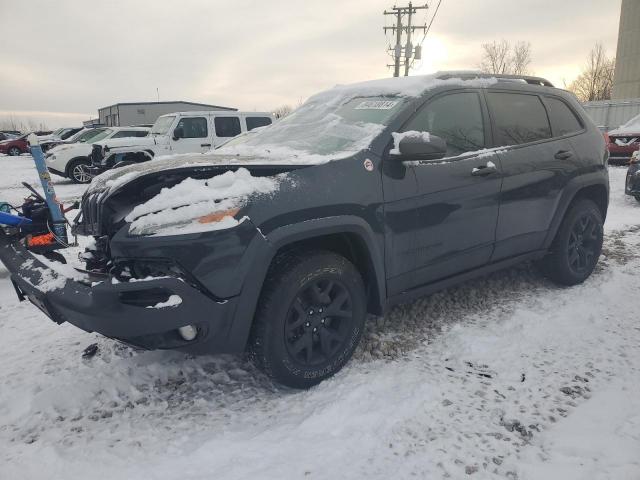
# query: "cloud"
75,56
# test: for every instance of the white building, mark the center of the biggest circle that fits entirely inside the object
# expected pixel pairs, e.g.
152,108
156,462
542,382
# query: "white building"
626,82
142,113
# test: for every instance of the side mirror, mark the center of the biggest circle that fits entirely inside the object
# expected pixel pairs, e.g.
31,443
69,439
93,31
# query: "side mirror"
419,146
178,133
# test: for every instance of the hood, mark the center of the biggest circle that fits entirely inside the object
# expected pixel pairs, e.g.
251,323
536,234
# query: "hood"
186,164
73,149
126,142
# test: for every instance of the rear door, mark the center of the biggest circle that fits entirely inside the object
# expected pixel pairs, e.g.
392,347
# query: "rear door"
226,127
536,162
255,121
195,135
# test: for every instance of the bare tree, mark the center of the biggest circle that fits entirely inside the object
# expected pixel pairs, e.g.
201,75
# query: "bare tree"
596,80
501,58
282,111
521,58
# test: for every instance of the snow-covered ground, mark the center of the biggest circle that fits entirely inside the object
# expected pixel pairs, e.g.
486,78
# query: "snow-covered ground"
508,376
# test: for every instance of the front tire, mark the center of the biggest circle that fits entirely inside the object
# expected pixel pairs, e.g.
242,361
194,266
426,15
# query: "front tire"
577,246
14,151
309,319
78,172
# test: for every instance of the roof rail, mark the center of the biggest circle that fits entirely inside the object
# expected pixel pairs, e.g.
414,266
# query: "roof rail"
543,82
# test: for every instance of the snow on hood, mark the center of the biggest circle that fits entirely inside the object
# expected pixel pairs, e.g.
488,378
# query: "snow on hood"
631,127
179,209
126,142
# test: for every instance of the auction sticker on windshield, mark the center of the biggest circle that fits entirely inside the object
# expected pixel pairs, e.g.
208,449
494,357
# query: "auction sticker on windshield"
377,105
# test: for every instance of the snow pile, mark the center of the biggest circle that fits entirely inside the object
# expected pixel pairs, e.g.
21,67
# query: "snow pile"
176,210
172,301
398,137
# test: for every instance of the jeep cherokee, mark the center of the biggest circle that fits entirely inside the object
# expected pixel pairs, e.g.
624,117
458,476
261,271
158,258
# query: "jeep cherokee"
368,195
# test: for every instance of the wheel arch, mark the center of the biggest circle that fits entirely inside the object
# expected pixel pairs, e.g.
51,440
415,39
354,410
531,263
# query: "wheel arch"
67,169
595,190
351,237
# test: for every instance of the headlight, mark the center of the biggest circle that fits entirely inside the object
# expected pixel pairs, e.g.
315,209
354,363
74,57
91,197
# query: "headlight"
173,222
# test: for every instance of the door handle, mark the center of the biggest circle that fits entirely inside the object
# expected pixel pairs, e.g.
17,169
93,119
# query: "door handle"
205,144
484,170
563,155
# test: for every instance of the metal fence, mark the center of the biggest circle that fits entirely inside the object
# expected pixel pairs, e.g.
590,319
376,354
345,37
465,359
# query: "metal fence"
610,114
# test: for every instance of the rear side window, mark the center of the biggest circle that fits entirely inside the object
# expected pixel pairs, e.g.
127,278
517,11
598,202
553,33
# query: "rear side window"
255,122
518,118
563,120
227,126
193,127
456,118
126,133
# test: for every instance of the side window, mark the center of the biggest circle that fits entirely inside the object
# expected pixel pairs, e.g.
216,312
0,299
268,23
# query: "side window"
227,126
140,133
255,122
194,127
563,120
124,133
456,118
518,118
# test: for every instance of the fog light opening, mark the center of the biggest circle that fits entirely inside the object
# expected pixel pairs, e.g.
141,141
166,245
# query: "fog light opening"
188,332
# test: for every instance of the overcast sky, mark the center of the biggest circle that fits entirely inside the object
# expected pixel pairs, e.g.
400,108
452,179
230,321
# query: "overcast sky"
62,60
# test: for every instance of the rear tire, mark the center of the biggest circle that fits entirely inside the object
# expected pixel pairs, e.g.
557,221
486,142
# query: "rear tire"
78,172
309,319
575,251
14,151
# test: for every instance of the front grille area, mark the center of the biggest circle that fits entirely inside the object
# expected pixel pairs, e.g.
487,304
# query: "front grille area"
90,220
96,155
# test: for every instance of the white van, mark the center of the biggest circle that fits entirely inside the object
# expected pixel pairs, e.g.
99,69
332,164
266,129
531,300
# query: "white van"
181,132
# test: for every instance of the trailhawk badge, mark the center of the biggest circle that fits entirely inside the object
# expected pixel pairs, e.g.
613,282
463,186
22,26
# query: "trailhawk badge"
368,165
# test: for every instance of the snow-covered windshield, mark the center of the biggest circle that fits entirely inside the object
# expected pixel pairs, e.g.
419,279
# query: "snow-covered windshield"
326,127
162,125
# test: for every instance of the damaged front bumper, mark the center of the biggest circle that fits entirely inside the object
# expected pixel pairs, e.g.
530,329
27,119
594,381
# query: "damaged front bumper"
122,311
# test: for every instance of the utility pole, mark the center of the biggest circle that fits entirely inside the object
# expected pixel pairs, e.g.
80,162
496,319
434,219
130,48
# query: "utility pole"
407,49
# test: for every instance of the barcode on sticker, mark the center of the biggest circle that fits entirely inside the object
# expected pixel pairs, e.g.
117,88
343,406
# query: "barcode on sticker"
376,105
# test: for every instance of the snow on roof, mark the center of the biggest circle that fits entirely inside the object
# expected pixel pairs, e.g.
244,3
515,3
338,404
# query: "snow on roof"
413,86
632,126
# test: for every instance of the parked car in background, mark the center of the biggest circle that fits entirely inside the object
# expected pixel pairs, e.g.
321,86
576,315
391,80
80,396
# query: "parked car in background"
366,196
623,142
16,146
181,132
60,134
632,185
72,160
7,136
82,136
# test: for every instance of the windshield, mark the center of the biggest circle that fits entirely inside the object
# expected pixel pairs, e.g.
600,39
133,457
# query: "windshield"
102,134
162,125
89,134
324,127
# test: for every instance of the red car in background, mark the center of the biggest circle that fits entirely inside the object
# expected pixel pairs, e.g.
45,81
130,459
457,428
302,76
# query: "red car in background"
16,146
623,141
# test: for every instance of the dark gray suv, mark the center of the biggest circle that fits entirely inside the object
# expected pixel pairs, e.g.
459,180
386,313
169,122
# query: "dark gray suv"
368,195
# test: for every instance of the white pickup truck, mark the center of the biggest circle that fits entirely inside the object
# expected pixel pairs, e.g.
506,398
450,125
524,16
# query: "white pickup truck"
181,132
